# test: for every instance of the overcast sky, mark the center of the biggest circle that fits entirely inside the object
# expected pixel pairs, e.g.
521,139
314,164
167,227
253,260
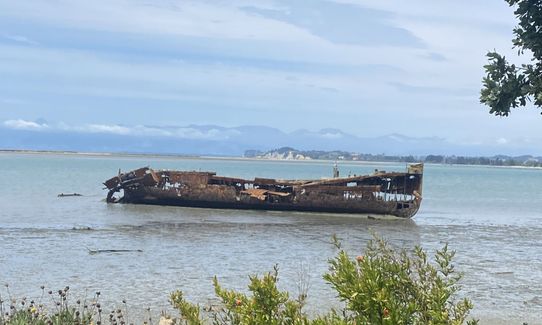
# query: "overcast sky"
369,68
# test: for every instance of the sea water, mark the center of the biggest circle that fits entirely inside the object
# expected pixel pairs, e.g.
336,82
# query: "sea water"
490,216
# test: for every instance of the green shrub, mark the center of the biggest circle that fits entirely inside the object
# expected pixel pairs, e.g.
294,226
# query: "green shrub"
384,286
387,286
266,305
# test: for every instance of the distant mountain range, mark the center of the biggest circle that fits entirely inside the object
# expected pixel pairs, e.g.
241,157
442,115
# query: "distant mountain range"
220,141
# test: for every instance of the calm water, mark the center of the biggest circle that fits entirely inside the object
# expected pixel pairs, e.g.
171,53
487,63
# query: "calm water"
490,216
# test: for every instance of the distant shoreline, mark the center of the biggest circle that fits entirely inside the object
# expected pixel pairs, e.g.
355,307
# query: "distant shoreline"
97,154
180,156
172,156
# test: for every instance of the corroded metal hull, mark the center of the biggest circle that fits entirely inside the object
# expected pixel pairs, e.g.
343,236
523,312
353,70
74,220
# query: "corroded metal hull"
381,193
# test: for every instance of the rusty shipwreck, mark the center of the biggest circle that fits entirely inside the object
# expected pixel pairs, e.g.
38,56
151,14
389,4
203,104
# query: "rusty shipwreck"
381,193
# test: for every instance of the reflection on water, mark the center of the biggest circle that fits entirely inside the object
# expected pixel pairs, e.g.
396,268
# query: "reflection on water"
45,239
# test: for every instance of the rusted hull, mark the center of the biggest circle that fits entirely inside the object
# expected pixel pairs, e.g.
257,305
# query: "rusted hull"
364,209
395,194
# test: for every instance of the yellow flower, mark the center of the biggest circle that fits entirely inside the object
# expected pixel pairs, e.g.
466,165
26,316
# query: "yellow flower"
33,309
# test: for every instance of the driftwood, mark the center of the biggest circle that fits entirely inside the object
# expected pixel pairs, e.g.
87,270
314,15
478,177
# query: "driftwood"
98,251
87,228
69,194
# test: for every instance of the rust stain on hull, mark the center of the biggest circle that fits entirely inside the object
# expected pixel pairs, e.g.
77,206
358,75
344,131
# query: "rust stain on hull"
397,194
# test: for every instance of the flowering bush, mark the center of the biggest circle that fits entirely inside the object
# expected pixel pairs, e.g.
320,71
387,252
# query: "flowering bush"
55,308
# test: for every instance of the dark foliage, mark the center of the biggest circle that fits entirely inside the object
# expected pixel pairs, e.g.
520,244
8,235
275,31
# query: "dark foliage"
506,85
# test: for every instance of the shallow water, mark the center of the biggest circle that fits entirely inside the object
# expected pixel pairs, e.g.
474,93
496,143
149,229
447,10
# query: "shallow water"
490,216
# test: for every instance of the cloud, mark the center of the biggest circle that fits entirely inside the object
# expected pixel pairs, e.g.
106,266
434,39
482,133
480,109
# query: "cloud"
435,56
209,134
102,128
20,124
286,64
180,132
165,18
431,90
481,13
12,101
341,23
349,41
331,135
20,39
